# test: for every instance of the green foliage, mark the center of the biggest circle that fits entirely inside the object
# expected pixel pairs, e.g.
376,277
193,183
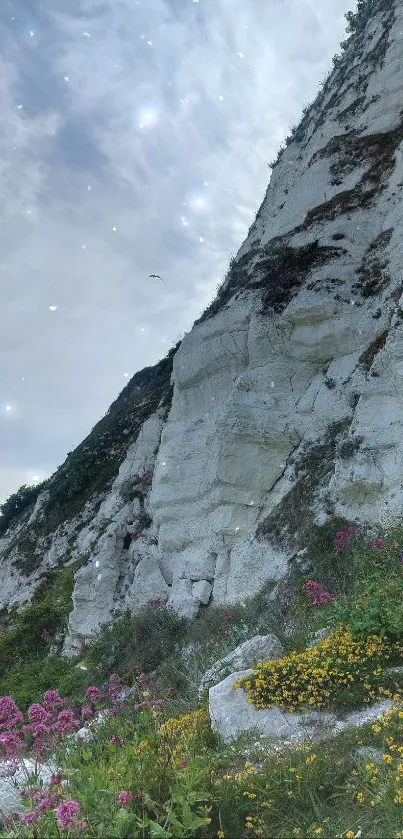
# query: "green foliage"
28,680
146,639
19,501
375,606
332,568
26,635
95,462
357,20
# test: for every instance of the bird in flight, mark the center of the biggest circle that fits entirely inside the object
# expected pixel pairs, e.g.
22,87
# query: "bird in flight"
157,277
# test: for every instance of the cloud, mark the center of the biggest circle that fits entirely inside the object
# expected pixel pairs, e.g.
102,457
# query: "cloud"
130,132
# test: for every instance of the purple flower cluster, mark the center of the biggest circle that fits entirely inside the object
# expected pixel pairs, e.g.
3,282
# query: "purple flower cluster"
343,537
380,544
317,594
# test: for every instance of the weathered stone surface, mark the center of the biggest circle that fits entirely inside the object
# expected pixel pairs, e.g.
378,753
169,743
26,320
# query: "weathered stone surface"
231,715
12,781
248,654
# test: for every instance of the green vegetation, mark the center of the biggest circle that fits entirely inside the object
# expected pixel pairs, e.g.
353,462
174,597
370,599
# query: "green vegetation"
17,502
28,635
155,767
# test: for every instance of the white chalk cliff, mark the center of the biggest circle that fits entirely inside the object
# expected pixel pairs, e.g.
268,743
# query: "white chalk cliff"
284,403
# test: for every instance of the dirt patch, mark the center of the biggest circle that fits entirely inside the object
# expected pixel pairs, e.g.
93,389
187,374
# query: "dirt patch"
291,521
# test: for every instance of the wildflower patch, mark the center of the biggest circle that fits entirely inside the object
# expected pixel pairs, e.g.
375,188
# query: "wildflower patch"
339,671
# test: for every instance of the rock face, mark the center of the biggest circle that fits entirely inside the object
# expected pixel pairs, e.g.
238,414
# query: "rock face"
232,715
248,654
281,406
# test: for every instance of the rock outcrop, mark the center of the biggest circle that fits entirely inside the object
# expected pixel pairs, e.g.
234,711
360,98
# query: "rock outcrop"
248,654
283,405
232,715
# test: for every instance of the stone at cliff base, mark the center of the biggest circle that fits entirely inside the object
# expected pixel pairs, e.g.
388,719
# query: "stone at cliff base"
232,715
12,785
248,654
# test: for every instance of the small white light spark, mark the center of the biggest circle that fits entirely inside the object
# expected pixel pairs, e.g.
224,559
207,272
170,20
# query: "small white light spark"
89,188
31,33
23,379
99,577
97,563
83,247
126,375
8,408
52,308
240,54
201,240
142,329
163,463
352,302
221,98
35,477
86,35
29,212
271,384
66,78
184,222
114,229
19,107
150,43
205,183
251,503
236,529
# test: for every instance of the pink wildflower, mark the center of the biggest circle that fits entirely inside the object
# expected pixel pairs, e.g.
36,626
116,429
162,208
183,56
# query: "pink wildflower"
30,818
52,700
317,594
86,712
66,813
124,798
93,693
11,743
227,615
116,741
48,803
66,723
10,714
378,543
38,714
343,537
56,779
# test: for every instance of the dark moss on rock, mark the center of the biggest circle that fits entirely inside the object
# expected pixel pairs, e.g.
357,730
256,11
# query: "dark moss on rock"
291,520
372,273
282,270
367,358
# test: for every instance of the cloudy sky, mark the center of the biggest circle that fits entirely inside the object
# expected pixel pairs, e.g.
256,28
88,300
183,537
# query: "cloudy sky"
135,137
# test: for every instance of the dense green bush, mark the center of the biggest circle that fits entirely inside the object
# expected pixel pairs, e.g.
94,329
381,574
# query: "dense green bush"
17,502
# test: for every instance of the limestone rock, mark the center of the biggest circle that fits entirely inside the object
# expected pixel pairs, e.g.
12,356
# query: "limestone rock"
281,406
12,782
248,654
231,715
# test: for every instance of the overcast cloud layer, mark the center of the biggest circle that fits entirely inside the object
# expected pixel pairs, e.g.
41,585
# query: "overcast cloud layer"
135,138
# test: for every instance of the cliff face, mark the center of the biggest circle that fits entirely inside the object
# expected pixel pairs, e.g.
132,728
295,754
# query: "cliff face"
286,402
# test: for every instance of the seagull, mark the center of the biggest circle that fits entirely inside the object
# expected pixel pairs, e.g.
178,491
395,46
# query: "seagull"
157,277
